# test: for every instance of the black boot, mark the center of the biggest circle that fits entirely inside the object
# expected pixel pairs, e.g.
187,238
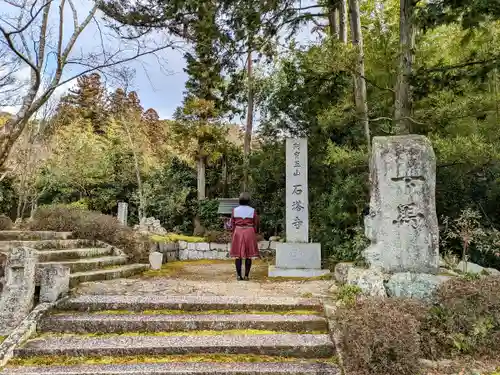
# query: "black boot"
248,266
237,263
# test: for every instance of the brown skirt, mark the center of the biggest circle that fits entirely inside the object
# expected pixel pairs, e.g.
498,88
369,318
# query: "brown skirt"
244,243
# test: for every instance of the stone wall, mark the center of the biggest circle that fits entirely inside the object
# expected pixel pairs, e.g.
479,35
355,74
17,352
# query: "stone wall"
204,250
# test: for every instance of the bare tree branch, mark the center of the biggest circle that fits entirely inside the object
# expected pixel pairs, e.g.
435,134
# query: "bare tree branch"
45,32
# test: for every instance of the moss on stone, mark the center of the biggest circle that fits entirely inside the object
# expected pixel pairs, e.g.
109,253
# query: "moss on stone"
2,339
173,237
177,268
183,312
234,332
103,360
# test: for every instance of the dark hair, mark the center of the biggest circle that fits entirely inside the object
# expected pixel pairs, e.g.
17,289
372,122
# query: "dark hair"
244,199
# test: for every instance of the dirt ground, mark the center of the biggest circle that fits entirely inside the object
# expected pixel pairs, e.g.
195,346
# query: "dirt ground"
209,277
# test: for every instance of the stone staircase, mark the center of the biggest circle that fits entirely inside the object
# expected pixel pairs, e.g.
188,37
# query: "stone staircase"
88,260
155,335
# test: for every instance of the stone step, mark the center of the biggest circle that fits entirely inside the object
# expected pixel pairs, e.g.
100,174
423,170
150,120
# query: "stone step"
200,368
288,345
54,255
107,274
24,235
111,323
189,303
88,264
50,244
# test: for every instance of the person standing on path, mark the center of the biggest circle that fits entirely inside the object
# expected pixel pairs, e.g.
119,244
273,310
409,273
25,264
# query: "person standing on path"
245,225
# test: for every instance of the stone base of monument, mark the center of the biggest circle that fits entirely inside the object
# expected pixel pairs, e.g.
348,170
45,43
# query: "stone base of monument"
297,260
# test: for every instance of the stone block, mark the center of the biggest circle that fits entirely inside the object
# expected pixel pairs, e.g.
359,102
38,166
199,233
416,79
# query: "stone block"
183,245
273,245
183,254
297,192
218,246
54,282
263,245
370,281
168,246
298,255
222,255
18,294
156,260
471,268
493,271
296,272
341,271
402,224
172,256
203,246
191,246
414,285
123,213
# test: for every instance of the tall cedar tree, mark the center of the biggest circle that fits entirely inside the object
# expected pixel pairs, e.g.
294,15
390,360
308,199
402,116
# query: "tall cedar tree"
87,100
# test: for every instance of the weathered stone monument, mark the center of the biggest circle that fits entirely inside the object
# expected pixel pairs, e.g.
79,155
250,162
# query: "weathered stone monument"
297,257
155,260
123,213
402,224
54,282
19,289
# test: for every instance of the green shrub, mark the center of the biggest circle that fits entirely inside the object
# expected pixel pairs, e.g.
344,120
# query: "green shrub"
210,219
93,226
218,236
347,294
380,336
465,319
5,222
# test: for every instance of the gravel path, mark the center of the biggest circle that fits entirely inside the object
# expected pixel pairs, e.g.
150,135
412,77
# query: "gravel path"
211,278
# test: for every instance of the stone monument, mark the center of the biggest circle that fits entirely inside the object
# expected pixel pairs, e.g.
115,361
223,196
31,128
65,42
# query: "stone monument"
403,256
18,295
402,224
54,282
297,257
123,213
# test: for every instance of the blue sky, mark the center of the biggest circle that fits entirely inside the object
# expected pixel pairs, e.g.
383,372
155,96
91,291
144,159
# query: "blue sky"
159,86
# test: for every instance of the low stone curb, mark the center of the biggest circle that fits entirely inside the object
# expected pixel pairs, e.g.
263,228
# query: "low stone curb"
23,331
188,303
335,333
19,235
111,323
288,345
75,254
124,271
200,368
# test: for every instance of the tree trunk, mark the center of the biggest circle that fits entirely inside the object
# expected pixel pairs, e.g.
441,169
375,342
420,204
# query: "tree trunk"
201,178
199,230
141,211
224,176
359,78
249,125
343,21
402,100
464,257
333,18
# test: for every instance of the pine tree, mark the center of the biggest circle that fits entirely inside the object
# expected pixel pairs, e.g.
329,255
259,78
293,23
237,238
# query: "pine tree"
88,101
